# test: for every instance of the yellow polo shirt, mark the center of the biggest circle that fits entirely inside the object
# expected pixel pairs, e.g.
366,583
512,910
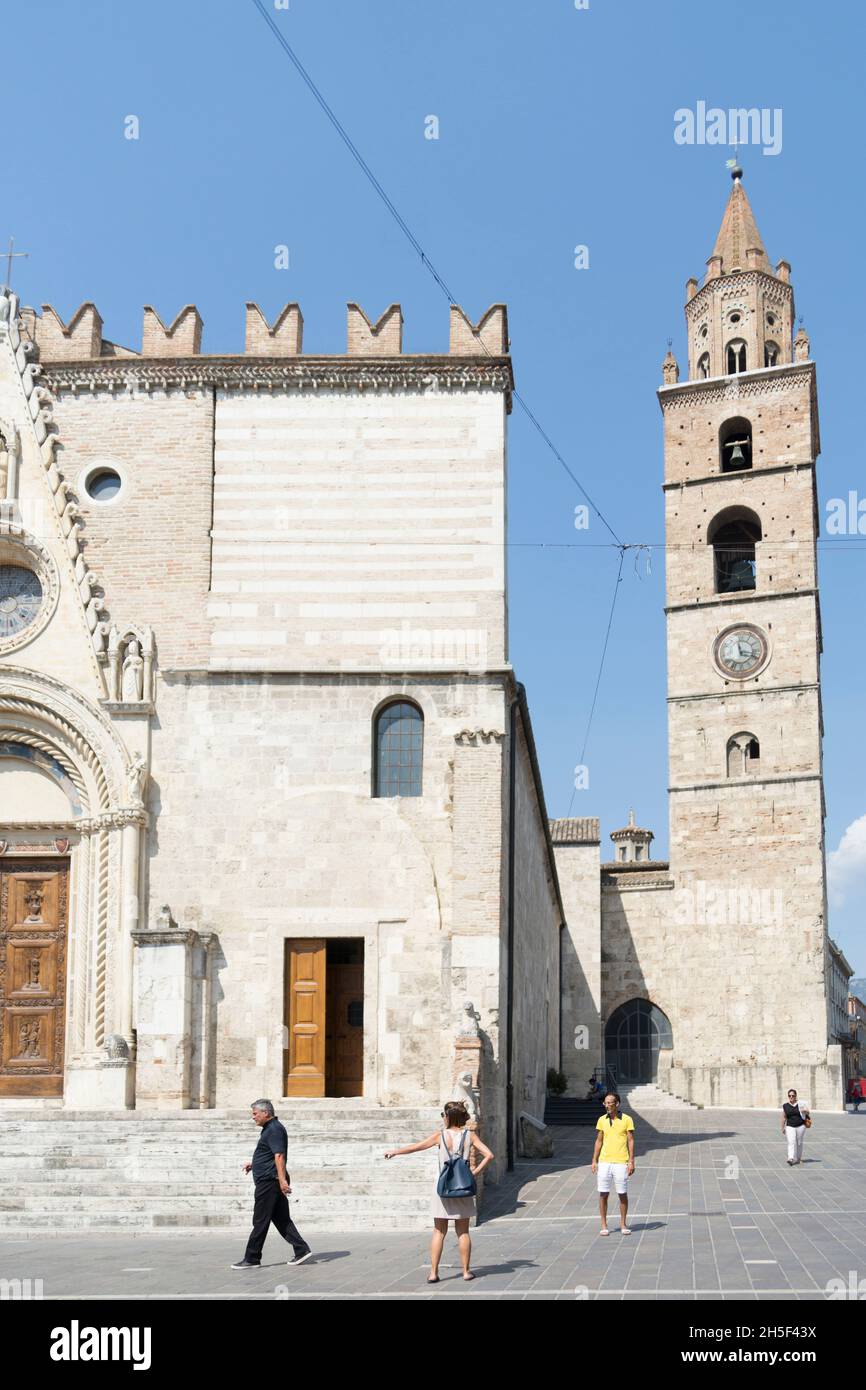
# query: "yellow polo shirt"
614,1149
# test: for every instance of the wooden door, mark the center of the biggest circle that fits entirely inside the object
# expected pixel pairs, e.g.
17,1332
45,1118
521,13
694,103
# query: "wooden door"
345,1040
33,916
305,1006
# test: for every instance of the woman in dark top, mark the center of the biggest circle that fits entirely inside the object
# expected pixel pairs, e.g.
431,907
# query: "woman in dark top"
794,1127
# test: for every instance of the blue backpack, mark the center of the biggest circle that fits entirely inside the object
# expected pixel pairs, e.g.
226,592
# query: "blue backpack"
456,1178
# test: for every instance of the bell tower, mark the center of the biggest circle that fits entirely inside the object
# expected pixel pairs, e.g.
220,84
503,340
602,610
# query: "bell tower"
748,934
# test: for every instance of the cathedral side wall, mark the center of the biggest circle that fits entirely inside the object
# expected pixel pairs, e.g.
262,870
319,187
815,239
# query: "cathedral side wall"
582,1038
265,829
537,922
359,530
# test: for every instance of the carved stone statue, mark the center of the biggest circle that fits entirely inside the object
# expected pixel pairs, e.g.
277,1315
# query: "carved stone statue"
136,780
468,1025
463,1091
116,1048
132,682
164,920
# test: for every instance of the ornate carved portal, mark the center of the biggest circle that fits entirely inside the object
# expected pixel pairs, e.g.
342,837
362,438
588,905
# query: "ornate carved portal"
33,923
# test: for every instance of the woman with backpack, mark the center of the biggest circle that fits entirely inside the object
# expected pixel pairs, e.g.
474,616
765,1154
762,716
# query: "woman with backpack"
454,1196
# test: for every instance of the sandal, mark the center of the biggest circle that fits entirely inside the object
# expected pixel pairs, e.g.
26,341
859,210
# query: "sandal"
468,1276
434,1281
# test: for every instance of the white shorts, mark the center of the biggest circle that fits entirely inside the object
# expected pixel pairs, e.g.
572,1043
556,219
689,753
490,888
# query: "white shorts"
613,1172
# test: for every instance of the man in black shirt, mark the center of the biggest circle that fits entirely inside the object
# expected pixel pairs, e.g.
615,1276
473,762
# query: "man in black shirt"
271,1191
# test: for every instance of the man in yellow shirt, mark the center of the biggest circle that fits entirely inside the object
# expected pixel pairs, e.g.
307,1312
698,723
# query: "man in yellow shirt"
613,1159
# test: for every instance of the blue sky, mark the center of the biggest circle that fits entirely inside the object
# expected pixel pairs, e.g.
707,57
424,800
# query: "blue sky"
556,129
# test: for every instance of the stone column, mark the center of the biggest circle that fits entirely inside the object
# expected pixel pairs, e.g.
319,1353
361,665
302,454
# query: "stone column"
129,914
163,1016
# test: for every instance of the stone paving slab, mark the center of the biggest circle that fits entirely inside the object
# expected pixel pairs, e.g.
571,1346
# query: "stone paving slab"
716,1214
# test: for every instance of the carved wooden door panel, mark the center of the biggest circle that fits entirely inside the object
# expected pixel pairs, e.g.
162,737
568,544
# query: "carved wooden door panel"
305,1007
345,1042
33,917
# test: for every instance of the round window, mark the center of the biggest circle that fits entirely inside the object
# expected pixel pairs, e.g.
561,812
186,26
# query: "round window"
735,318
103,485
20,599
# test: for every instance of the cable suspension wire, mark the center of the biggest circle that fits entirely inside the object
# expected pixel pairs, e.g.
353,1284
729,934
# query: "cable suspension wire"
412,239
600,671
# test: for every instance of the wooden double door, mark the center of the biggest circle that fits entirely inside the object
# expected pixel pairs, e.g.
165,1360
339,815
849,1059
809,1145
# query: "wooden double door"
324,998
34,905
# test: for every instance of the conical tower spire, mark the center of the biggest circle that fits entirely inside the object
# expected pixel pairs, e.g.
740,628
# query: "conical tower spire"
738,245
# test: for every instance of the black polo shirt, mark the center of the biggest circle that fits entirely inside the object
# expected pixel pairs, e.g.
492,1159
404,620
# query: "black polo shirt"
272,1140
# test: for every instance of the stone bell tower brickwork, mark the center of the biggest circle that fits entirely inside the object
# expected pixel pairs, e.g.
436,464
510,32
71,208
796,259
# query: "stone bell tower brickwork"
728,939
745,986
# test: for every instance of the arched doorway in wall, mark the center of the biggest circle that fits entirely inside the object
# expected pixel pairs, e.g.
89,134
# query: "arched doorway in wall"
634,1035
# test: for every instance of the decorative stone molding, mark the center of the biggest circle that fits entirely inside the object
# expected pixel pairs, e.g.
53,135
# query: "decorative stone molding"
770,381
473,737
275,373
46,714
773,289
39,399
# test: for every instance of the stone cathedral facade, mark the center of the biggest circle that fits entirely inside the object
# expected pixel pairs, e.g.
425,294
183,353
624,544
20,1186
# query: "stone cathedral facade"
271,818
270,810
713,972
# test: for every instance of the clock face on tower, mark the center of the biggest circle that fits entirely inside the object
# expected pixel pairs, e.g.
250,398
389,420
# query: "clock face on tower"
20,599
741,651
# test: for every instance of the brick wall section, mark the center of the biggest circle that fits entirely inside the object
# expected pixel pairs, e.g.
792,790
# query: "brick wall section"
384,338
150,548
282,339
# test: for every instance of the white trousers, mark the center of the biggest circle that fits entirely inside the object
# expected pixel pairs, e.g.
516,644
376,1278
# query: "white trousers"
795,1135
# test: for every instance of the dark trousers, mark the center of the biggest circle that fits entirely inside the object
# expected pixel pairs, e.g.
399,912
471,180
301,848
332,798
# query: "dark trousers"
272,1205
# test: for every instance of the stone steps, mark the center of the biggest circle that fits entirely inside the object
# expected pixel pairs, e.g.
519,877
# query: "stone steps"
651,1097
66,1170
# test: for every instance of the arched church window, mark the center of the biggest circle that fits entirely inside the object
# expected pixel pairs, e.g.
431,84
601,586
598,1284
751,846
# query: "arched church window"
743,755
733,534
704,364
771,354
736,356
398,750
634,1035
735,445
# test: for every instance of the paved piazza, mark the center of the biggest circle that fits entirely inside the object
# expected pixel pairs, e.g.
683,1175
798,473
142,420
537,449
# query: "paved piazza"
772,1232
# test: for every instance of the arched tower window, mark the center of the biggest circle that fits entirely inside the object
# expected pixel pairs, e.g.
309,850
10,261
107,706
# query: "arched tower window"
704,364
743,755
735,445
398,749
733,534
771,354
736,356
